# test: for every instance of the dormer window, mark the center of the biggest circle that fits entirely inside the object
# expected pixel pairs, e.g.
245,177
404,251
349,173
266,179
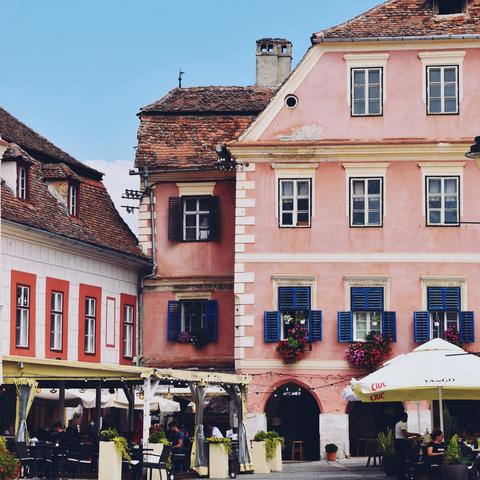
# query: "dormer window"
22,181
73,199
449,7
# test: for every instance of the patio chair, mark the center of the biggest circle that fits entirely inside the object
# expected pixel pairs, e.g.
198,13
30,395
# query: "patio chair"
84,460
43,458
27,462
160,465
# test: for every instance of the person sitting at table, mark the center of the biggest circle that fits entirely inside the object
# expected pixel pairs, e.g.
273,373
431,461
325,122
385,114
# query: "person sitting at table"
58,433
436,448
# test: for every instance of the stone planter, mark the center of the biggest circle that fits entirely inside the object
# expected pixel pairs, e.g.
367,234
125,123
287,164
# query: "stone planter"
157,449
259,458
275,464
454,472
109,462
218,461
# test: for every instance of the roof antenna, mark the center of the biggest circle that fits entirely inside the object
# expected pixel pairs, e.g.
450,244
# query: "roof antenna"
180,75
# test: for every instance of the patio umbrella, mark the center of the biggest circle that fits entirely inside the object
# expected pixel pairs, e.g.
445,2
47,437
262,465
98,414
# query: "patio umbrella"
437,370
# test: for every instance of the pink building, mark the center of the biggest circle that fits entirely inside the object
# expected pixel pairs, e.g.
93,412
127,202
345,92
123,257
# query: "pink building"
347,216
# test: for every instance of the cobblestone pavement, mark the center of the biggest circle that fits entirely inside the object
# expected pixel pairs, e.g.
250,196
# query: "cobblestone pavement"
350,469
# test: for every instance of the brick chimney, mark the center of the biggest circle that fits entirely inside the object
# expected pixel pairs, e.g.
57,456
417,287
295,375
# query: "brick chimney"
274,61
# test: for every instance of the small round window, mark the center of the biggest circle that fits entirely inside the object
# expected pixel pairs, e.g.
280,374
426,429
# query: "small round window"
291,101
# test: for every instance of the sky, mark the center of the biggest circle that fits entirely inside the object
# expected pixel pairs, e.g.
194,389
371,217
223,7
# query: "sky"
78,71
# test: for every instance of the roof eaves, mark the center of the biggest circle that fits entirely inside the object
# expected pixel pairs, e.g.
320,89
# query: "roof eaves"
395,39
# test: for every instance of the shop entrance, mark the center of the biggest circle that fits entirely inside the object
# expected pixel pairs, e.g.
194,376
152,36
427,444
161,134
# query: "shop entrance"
293,412
366,420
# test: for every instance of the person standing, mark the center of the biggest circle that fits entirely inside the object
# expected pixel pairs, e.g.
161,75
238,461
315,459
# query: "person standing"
177,438
402,444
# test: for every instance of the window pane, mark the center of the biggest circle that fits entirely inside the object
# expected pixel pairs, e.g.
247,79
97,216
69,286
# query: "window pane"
190,204
434,216
358,218
451,216
450,185
374,203
451,90
451,202
375,322
287,188
373,218
302,219
359,77
360,325
435,106
450,75
435,202
302,204
434,74
287,219
190,220
204,204
374,76
359,108
374,186
359,93
434,185
373,92
190,233
374,106
437,324
203,234
302,188
287,205
452,320
359,203
203,221
358,187
450,106
435,90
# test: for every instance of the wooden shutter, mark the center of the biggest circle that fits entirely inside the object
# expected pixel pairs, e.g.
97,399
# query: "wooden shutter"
175,219
173,326
421,326
211,320
367,299
389,325
214,218
467,327
444,299
345,327
315,326
294,298
271,326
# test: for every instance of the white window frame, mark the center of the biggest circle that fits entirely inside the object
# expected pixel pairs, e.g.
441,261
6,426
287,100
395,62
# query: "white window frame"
442,179
444,320
442,85
294,198
366,197
182,312
90,325
128,330
73,199
22,316
197,212
369,322
56,321
366,99
22,182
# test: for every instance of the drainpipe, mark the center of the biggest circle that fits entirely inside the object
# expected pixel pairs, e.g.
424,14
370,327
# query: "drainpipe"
148,188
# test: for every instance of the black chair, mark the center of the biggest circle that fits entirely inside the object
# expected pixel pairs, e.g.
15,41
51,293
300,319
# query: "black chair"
84,460
159,465
27,462
43,458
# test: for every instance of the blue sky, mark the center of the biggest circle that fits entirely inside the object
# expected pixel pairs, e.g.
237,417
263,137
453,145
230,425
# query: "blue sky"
78,71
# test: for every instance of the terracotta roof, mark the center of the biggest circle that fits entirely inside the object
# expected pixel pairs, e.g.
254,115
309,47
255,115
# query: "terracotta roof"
182,129
58,171
406,18
98,223
13,130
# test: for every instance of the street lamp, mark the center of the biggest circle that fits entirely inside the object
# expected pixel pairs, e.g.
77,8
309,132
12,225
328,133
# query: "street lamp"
474,152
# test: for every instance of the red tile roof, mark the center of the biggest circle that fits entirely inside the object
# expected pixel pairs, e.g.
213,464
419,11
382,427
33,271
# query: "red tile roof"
182,129
406,18
14,131
98,224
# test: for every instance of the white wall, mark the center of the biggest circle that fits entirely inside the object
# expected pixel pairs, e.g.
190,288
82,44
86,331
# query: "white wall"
34,255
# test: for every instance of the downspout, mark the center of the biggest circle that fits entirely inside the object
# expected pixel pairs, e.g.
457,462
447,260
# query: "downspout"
144,174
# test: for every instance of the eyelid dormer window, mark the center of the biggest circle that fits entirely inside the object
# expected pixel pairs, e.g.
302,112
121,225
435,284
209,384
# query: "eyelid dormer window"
22,181
73,193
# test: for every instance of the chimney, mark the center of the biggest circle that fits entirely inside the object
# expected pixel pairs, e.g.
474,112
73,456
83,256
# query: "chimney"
274,61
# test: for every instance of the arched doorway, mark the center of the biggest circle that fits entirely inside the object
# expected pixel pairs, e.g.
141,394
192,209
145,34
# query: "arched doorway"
293,412
366,420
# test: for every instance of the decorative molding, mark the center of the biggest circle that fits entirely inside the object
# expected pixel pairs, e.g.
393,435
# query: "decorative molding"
445,281
199,188
188,295
367,281
366,60
451,57
365,257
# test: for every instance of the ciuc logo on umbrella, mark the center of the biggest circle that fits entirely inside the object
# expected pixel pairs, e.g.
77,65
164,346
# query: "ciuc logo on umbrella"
440,380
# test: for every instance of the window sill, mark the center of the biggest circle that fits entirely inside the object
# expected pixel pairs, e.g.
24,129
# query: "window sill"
366,226
294,227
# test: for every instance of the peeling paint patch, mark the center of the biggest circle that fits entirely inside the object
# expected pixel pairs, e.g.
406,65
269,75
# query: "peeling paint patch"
307,132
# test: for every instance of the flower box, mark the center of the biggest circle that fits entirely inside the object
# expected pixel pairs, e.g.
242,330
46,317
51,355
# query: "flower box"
275,464
259,457
109,461
218,460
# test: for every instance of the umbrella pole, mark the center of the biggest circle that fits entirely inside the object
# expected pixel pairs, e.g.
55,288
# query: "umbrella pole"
419,429
440,406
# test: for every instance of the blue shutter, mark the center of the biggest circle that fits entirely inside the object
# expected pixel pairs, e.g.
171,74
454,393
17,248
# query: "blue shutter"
421,326
389,325
315,326
271,326
294,298
345,327
443,298
367,298
467,327
173,325
211,320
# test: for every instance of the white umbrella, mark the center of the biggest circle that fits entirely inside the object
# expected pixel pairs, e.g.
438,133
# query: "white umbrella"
156,403
436,370
85,397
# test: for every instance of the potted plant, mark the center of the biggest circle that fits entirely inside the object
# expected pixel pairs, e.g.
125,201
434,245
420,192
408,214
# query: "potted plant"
113,448
156,441
385,441
454,466
331,450
259,453
9,465
273,450
219,450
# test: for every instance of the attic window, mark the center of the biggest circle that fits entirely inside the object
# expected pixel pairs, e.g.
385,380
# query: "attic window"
449,7
73,199
22,182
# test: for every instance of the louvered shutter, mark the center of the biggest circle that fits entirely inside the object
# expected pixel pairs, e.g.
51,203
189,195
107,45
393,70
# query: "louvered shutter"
389,325
315,326
367,298
294,298
444,299
421,326
467,327
271,326
175,230
173,324
211,323
345,327
214,218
